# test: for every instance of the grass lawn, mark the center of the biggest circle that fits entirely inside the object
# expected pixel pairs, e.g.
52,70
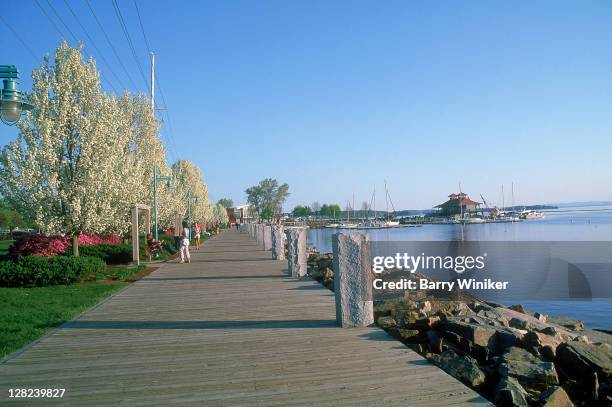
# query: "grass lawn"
4,246
29,313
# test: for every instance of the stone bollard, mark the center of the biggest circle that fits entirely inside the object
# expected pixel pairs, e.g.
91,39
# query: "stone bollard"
260,234
267,237
352,280
296,256
278,242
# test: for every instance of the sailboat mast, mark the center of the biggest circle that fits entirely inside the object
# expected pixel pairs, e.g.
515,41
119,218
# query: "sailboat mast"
503,200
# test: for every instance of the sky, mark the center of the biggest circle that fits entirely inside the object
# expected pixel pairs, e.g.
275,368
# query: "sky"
337,97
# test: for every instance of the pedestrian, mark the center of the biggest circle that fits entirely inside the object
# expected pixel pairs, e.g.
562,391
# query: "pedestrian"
184,248
196,235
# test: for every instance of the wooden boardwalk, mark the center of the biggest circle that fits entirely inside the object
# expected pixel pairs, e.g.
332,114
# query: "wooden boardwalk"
228,329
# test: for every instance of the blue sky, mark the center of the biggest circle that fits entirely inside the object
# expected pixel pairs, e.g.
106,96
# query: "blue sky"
333,97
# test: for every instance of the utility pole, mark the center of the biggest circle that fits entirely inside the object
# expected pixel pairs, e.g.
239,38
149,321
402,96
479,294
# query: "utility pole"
153,83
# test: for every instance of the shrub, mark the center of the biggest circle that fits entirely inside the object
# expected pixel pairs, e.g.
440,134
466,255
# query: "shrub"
87,239
39,245
109,253
39,271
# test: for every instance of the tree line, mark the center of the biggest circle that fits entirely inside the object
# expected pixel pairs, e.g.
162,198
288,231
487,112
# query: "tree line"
83,157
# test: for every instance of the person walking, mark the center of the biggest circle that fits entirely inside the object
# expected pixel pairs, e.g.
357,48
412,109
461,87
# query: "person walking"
184,249
196,235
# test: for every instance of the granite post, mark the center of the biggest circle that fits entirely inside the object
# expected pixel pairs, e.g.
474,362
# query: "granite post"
278,242
260,234
267,237
352,280
296,256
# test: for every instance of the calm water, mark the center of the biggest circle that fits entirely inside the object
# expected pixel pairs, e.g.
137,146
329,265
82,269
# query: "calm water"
574,224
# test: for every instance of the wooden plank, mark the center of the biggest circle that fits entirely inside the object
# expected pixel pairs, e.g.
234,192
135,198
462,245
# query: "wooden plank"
229,329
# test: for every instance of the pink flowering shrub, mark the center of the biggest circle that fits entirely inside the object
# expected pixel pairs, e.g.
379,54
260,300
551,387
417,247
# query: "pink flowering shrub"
87,239
41,245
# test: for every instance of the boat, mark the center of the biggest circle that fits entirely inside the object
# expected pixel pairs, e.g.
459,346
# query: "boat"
531,214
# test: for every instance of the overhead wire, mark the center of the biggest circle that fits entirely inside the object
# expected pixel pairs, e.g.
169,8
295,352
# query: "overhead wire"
16,34
93,43
170,130
110,43
129,40
60,32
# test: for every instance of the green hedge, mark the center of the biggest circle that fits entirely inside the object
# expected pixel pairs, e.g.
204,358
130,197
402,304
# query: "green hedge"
109,253
39,271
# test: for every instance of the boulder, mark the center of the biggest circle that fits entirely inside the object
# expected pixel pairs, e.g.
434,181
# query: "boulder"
464,368
567,323
496,338
435,341
386,322
533,374
555,397
517,308
409,335
580,360
509,393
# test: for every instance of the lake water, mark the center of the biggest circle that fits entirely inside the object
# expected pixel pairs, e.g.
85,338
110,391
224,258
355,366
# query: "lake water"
583,224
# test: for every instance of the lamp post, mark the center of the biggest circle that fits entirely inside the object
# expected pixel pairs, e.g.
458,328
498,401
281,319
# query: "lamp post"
157,178
12,103
190,200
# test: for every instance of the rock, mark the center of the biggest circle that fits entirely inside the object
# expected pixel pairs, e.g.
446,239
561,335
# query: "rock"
497,339
464,368
386,322
409,335
535,340
548,353
531,373
517,308
555,397
461,309
509,393
424,307
477,334
580,360
539,317
550,330
568,323
581,338
425,323
435,341
519,323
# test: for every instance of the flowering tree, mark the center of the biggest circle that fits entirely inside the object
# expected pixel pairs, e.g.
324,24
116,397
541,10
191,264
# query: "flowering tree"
220,214
70,166
148,151
188,182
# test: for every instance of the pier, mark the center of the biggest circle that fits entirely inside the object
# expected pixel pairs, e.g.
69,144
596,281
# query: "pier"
231,328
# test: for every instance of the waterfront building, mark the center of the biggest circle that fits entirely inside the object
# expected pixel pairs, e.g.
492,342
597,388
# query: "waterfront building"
456,205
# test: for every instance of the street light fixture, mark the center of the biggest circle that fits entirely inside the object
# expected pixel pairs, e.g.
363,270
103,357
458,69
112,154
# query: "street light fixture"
12,103
168,181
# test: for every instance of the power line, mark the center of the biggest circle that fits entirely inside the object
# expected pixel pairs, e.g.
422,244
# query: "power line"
50,20
71,33
142,27
26,46
129,40
62,21
170,132
110,68
93,13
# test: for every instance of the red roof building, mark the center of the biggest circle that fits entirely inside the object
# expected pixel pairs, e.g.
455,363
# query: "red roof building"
457,204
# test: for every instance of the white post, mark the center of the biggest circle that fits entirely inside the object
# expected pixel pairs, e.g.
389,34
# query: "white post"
135,245
278,242
267,237
352,280
296,259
